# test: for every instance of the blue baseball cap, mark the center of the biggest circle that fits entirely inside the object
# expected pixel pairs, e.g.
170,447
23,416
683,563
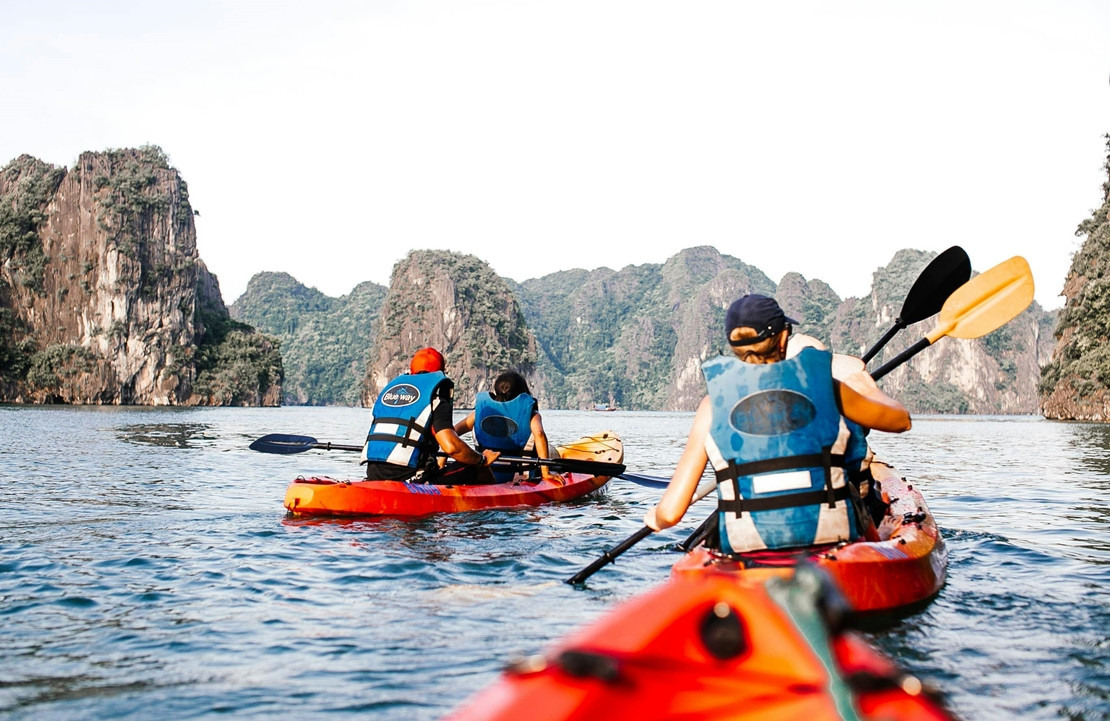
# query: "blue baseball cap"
759,313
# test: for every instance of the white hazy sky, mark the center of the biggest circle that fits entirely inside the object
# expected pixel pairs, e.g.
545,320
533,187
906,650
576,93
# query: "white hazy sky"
328,138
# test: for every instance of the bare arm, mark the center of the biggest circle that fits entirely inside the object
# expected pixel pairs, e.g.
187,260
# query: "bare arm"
860,400
457,449
543,449
676,499
466,425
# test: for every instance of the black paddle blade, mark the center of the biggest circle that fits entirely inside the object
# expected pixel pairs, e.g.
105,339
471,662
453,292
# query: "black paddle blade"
940,279
283,444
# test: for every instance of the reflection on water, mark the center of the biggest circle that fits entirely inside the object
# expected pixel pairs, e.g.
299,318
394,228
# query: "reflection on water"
147,566
173,435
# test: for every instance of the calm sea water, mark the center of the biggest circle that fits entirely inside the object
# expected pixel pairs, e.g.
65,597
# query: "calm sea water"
147,569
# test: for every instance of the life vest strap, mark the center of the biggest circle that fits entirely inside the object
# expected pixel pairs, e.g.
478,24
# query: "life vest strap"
787,500
735,470
826,459
403,439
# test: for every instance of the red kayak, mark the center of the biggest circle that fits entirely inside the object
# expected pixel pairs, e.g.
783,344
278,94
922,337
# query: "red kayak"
902,570
329,497
712,647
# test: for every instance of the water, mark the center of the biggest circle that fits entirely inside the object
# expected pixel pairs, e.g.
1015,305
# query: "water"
147,567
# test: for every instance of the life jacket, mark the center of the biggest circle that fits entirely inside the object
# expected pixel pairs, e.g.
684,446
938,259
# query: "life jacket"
503,426
399,432
777,444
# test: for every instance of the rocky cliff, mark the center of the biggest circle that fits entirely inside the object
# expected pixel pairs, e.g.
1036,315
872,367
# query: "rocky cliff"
325,341
103,298
635,338
1076,384
458,305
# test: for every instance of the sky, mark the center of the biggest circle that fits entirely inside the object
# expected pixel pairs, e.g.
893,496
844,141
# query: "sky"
328,139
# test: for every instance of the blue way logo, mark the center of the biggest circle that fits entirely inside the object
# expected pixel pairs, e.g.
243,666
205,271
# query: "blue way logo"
401,395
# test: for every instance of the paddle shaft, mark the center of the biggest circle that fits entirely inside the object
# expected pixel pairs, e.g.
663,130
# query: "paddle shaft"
286,444
336,447
610,556
900,358
898,325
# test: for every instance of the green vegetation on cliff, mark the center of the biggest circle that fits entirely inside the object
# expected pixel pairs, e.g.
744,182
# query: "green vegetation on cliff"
1083,326
618,337
325,341
28,185
236,365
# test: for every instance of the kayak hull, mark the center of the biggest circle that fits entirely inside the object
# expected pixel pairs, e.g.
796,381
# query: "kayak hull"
329,497
896,573
654,657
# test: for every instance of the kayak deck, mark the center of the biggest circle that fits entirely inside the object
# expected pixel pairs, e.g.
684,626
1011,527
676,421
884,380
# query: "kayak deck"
708,647
321,496
898,572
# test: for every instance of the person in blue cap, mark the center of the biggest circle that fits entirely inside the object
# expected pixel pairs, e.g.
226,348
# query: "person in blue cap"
770,426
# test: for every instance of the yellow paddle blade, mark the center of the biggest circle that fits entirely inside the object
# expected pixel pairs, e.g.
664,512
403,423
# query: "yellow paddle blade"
987,302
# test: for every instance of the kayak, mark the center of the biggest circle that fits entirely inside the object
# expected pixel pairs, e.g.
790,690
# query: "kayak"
322,496
876,574
712,647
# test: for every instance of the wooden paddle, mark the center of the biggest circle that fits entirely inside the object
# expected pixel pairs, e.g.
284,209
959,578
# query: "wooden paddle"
285,444
982,305
940,279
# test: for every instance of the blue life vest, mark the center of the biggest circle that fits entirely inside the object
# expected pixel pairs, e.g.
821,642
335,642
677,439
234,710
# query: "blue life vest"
503,426
399,432
777,444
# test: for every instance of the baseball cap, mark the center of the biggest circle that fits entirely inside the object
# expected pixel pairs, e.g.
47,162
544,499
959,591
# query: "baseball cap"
757,312
426,359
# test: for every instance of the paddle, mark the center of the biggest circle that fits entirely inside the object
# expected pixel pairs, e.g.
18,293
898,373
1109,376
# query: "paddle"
941,277
610,556
285,444
982,305
646,480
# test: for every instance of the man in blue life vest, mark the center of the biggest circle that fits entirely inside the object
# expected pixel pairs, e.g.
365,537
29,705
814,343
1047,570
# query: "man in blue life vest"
771,428
413,422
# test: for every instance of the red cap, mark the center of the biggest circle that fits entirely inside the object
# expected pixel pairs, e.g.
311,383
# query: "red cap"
426,359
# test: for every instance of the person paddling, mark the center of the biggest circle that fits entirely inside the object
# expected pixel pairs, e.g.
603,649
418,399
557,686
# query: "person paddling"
413,421
507,419
771,428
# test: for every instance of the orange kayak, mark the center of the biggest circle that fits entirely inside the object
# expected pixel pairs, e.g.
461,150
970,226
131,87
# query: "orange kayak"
329,497
900,571
711,647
